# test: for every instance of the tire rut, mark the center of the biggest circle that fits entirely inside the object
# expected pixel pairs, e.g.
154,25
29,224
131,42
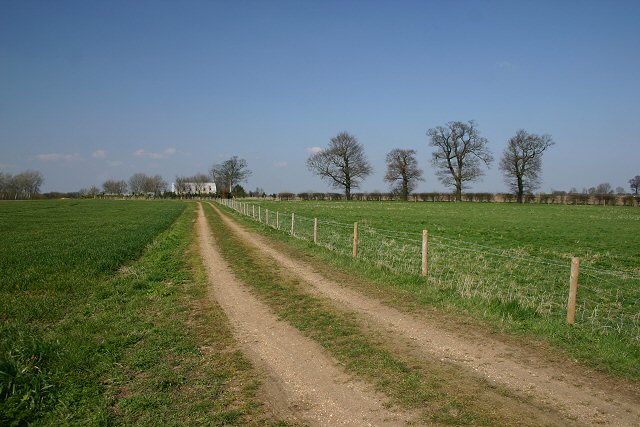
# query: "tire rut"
302,382
546,382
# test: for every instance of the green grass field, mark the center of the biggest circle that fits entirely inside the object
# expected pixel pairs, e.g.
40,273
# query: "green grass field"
604,237
104,320
104,317
505,262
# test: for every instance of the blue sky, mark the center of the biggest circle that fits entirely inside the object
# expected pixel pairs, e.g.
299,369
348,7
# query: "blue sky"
97,90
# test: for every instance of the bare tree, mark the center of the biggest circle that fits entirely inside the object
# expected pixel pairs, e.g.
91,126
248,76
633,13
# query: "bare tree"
181,185
521,162
21,186
603,193
9,187
403,172
200,182
5,189
114,187
344,163
459,153
141,183
137,183
229,173
634,184
604,189
27,183
156,185
94,191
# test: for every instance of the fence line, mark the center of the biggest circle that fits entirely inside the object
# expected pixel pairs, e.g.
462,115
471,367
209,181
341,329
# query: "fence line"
519,285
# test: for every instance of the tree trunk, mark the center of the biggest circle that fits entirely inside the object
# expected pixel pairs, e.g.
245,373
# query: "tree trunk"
458,179
520,190
405,189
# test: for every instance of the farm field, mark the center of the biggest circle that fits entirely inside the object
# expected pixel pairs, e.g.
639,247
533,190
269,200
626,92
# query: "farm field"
603,237
109,315
103,319
505,262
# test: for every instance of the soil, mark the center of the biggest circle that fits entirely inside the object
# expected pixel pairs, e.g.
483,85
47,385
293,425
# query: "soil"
301,382
579,394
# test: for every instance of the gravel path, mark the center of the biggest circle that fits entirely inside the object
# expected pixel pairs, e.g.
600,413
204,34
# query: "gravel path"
303,383
581,395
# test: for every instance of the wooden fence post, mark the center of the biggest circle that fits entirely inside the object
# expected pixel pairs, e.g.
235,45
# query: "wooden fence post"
315,230
425,253
266,216
355,239
573,290
259,214
253,215
293,224
277,220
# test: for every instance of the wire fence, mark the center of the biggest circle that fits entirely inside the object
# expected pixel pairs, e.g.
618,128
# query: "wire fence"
514,283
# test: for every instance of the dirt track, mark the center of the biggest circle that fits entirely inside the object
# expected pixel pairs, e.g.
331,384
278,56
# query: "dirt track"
580,395
302,382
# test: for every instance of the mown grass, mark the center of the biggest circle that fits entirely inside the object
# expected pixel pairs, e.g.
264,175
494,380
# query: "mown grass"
438,393
609,350
105,320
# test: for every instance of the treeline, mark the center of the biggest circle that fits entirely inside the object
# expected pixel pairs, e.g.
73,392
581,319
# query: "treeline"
557,197
24,185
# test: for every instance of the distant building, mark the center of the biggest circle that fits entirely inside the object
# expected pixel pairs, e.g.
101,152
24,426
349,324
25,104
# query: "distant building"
194,188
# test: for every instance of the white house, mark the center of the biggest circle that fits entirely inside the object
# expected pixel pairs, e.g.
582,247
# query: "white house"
194,188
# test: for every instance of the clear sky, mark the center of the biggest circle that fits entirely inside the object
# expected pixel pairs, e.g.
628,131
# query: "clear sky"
97,90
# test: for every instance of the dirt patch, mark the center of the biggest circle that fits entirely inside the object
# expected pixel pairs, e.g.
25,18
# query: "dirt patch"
554,382
302,383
